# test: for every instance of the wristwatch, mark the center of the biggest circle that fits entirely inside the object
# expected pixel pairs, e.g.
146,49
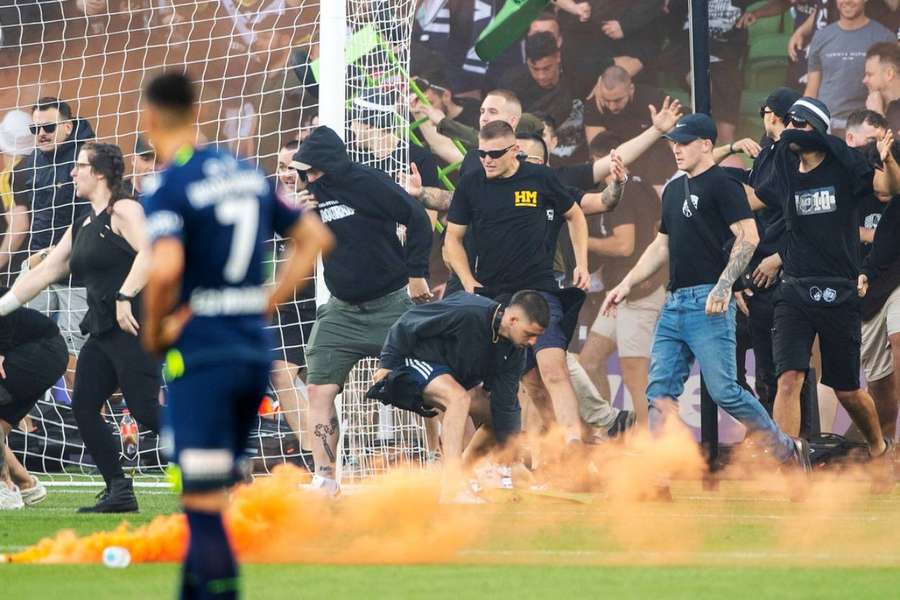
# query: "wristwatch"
120,297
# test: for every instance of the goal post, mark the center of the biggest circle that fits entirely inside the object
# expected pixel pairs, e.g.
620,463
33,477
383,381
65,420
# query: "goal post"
253,61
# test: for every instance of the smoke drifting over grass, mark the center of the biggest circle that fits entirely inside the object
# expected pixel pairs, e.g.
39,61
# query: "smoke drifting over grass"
614,510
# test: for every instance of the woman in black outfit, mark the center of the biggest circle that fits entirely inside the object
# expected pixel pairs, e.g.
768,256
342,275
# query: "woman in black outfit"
108,251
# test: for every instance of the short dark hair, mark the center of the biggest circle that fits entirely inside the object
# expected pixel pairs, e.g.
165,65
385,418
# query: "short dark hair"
864,115
547,119
172,91
495,130
47,102
290,145
530,137
604,142
887,52
534,305
540,45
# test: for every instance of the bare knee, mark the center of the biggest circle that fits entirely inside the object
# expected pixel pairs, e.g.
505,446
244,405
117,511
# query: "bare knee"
790,382
322,396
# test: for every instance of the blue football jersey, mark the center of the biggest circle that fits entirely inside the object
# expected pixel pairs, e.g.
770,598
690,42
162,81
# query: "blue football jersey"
223,211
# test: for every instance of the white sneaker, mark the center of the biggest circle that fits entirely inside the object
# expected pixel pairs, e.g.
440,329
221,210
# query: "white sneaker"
325,485
34,494
10,499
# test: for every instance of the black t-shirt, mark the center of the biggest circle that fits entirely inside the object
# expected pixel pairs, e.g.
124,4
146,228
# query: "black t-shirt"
823,226
515,223
471,111
892,114
393,162
635,117
719,201
870,211
23,326
639,207
580,176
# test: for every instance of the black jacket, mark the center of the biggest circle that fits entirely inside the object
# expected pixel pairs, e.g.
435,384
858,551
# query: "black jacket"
459,332
23,326
882,264
43,183
362,207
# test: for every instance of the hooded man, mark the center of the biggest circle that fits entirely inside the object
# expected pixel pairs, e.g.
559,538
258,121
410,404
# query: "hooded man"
367,274
821,181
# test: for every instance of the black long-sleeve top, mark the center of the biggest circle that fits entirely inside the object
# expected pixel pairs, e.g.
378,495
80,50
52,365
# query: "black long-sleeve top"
362,206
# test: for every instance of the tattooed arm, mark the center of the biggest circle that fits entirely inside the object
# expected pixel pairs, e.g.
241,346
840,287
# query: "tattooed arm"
434,198
745,241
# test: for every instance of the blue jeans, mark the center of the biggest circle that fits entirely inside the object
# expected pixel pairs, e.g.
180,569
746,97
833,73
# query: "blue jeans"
684,332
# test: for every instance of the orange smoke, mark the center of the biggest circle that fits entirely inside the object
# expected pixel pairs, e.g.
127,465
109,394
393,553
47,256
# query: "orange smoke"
396,520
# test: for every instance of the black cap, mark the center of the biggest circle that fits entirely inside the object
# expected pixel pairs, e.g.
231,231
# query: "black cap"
142,146
781,100
376,107
693,127
813,112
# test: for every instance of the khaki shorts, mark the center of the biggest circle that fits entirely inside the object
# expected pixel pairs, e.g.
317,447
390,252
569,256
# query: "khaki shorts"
346,333
633,325
67,306
877,360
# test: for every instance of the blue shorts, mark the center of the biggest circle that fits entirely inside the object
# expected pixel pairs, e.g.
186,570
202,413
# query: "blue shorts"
210,412
553,336
424,372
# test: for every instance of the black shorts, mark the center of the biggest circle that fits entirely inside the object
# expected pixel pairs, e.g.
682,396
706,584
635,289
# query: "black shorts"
291,328
840,335
31,369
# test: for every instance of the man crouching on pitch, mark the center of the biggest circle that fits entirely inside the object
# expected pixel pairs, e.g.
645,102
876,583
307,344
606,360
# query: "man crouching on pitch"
445,348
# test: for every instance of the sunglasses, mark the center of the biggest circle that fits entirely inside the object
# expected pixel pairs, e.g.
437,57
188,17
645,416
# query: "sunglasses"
48,127
763,112
797,122
495,154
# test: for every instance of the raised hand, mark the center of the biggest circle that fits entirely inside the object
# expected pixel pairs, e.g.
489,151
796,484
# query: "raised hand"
667,116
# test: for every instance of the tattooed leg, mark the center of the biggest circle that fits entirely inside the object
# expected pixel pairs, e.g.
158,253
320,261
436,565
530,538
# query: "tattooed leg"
323,423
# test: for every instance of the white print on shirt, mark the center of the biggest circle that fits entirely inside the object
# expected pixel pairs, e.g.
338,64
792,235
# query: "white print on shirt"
818,201
333,211
871,221
550,214
686,208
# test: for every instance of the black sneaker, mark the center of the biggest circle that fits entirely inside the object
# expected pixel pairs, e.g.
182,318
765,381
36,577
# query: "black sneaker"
624,421
801,455
117,498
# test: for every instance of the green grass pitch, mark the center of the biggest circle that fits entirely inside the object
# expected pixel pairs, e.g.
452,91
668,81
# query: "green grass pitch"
740,546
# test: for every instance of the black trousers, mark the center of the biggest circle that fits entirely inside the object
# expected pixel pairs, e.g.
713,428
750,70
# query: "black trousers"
109,361
31,369
761,322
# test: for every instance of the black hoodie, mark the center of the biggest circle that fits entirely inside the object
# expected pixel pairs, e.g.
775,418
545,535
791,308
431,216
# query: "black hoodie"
362,207
43,183
459,332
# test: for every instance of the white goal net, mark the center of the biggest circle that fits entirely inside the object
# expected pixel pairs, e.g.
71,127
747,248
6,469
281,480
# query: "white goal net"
257,65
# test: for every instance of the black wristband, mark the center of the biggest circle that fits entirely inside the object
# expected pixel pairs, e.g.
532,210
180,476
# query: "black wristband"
120,297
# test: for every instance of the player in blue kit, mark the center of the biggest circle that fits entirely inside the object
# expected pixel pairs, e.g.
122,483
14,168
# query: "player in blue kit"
206,308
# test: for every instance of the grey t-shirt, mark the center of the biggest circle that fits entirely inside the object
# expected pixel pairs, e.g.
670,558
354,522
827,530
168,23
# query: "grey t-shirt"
841,57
